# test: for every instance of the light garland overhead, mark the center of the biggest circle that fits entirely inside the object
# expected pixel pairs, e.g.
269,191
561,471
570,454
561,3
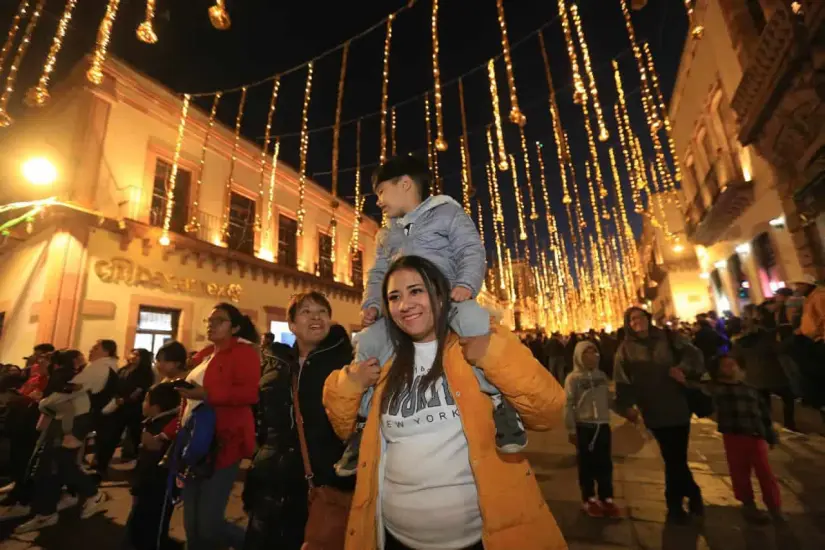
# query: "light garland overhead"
466,153
440,142
145,32
393,126
232,161
491,172
5,118
531,192
273,101
654,76
359,201
502,153
104,34
697,31
22,10
194,224
339,106
588,69
465,182
304,148
38,95
516,116
385,81
173,176
650,111
268,253
519,204
430,151
579,91
492,180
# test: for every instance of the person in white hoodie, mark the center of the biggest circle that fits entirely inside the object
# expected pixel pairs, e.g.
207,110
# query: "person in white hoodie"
587,417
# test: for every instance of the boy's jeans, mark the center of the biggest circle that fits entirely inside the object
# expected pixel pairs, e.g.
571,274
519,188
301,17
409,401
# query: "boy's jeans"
467,319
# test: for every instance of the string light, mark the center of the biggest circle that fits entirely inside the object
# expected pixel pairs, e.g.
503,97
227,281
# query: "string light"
268,255
22,10
519,205
219,17
440,143
38,95
11,78
480,222
384,88
359,201
491,172
333,233
654,77
304,147
591,79
273,100
697,31
145,32
516,116
466,150
194,224
430,152
650,112
104,34
173,176
579,92
554,107
544,192
493,180
626,140
533,215
232,161
393,126
502,153
336,129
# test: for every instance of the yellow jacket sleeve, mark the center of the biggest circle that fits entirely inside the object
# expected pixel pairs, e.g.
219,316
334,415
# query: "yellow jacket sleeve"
342,397
813,315
511,367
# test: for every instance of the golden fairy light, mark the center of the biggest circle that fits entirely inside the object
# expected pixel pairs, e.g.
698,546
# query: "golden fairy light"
233,158
654,78
333,233
267,253
194,224
466,151
554,107
588,69
173,176
516,116
493,180
145,32
38,95
359,202
22,10
385,81
465,183
393,126
336,129
273,100
22,48
650,111
491,172
219,17
304,147
430,152
531,192
544,192
519,204
104,34
502,153
480,223
579,91
440,143
697,31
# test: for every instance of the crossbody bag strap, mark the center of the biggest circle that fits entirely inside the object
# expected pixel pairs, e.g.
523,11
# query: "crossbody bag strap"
299,423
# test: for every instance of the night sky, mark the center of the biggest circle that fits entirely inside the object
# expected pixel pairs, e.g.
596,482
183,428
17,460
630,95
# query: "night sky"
269,37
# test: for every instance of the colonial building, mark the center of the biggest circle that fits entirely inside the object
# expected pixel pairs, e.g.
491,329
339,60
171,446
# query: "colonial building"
740,212
91,265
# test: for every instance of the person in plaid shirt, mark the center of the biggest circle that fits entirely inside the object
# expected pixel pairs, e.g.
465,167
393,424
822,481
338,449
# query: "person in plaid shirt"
744,420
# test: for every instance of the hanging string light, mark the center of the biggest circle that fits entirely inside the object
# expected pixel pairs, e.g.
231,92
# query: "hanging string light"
502,153
219,17
531,192
650,111
304,147
145,32
11,78
273,99
588,69
697,31
579,91
519,204
430,151
22,10
339,106
440,142
385,81
480,223
359,201
464,133
38,95
267,252
554,107
173,176
104,34
232,161
465,182
491,171
654,77
516,116
544,192
393,125
493,179
194,224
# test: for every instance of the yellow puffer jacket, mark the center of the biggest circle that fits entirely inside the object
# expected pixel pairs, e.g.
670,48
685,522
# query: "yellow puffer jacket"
513,510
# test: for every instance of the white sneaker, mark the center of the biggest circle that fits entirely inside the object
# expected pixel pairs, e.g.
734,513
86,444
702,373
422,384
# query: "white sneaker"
94,505
15,511
37,523
66,501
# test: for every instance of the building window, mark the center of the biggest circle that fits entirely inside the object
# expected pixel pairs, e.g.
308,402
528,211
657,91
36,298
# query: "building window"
160,192
241,224
287,241
740,280
325,268
154,327
757,15
358,269
282,333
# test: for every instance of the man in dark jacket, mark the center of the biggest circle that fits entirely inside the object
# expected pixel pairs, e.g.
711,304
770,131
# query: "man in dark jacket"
275,495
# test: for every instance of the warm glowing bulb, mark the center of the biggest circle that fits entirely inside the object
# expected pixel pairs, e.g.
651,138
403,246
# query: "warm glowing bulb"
164,240
678,248
39,171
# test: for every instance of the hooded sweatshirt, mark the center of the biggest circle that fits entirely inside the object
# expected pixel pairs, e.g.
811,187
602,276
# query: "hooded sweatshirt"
587,391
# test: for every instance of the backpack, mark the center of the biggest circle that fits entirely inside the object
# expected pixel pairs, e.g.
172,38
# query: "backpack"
195,447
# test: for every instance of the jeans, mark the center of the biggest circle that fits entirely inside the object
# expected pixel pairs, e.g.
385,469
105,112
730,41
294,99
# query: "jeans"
593,449
746,454
110,430
204,508
679,483
58,467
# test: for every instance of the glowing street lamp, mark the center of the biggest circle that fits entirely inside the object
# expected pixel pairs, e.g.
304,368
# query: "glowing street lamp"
39,171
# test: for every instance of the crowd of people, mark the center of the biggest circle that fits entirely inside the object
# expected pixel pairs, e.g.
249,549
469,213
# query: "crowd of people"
410,439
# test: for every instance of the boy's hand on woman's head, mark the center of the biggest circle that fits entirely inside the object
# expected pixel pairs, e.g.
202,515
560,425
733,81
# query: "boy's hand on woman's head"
369,316
461,294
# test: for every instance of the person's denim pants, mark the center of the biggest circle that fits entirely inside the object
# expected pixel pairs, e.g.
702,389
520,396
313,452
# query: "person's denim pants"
204,510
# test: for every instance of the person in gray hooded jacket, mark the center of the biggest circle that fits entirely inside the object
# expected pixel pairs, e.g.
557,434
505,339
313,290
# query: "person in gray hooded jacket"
587,417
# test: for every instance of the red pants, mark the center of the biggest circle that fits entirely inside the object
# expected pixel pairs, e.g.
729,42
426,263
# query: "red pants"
746,453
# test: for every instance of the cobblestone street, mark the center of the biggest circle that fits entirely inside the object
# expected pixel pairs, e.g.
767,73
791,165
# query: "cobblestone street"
639,481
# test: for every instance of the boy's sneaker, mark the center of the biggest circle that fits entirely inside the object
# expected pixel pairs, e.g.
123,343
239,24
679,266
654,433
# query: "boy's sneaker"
510,435
592,508
37,523
754,515
610,509
66,501
348,464
15,511
94,505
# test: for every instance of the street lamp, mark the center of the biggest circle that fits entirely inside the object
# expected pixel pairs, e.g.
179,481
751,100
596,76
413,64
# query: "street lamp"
39,171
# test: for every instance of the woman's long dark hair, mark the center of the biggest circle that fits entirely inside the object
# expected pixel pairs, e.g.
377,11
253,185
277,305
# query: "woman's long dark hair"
144,362
61,370
401,373
246,329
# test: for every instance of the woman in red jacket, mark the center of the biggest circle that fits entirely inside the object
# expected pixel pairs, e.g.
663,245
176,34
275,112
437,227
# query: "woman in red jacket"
225,377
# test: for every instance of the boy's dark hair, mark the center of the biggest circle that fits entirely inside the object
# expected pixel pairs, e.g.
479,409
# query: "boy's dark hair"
298,300
173,351
404,165
165,396
110,347
43,348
